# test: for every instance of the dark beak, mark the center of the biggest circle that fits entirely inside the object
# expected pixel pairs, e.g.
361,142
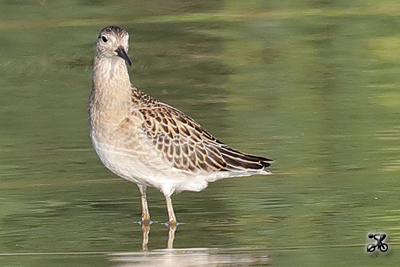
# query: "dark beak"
122,54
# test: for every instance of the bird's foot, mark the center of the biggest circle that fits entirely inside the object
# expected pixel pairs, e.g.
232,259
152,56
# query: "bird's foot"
172,223
145,222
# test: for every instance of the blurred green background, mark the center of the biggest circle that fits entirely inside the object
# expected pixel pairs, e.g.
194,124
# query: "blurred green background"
312,84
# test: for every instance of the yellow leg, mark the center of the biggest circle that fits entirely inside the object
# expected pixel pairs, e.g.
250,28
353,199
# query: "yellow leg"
145,208
171,213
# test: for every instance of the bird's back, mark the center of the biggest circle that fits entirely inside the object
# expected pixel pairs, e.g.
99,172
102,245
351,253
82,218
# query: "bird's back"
185,145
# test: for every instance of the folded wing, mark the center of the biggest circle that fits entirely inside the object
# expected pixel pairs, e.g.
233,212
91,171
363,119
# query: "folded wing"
187,146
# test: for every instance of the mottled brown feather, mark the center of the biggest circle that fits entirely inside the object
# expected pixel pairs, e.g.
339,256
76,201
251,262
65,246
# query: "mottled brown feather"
185,144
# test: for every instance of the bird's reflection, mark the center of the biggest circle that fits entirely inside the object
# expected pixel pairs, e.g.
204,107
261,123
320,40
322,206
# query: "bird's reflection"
145,236
171,236
146,231
199,257
170,257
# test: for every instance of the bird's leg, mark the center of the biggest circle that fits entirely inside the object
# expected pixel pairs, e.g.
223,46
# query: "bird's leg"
171,213
145,208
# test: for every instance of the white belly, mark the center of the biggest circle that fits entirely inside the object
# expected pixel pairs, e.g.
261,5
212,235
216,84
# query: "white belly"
150,169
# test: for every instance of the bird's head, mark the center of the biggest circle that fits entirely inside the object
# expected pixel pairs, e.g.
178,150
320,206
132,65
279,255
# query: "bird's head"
113,41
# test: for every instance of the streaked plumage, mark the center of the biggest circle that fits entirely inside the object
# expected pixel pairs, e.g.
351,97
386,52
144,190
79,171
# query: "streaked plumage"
149,142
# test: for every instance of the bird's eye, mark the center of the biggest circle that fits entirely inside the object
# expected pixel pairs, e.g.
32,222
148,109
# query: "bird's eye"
104,39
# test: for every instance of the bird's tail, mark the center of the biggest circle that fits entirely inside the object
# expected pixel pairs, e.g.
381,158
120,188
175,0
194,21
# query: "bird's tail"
240,162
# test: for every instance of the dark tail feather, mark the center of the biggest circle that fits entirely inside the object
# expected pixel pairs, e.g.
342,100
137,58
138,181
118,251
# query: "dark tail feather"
237,160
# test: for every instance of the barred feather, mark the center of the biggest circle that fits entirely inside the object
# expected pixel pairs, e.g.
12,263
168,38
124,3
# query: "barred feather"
186,145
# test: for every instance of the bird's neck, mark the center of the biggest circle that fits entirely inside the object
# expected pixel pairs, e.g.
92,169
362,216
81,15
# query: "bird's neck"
110,84
110,98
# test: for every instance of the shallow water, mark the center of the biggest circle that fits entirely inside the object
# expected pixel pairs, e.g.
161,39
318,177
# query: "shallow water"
310,84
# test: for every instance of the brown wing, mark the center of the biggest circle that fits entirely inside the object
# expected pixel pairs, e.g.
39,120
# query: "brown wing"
186,145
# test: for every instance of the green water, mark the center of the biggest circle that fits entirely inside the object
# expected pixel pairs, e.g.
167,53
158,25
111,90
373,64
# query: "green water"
313,85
